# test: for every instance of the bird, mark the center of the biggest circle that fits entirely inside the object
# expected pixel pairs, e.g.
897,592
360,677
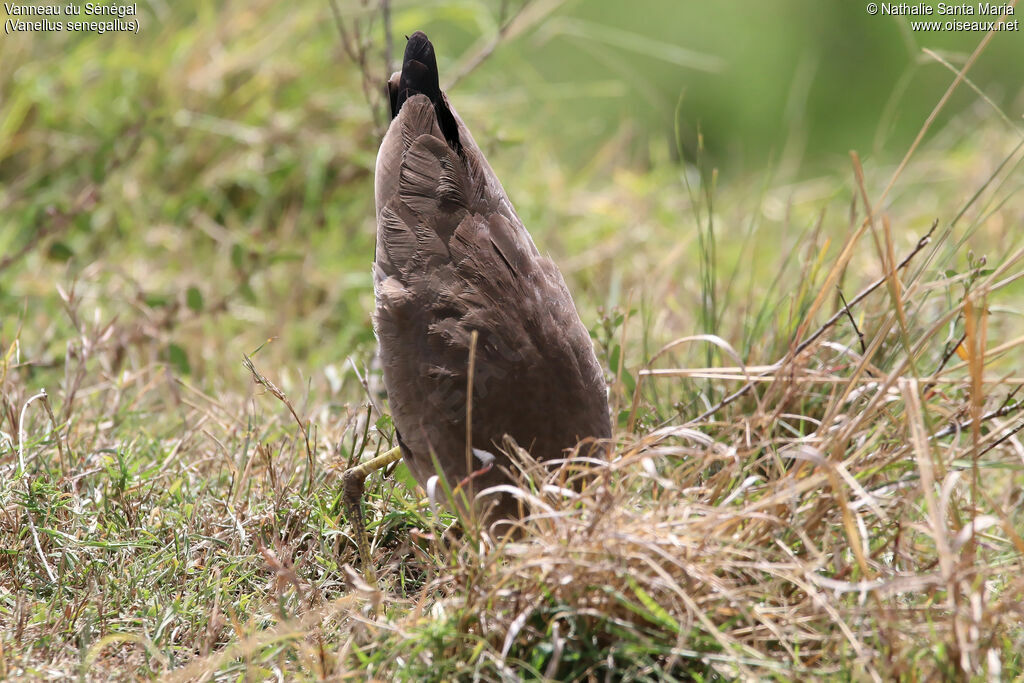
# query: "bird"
479,338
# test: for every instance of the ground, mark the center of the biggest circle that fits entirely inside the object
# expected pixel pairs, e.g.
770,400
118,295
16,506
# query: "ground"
814,381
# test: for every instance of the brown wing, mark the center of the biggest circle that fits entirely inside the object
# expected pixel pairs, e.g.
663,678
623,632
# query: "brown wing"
453,257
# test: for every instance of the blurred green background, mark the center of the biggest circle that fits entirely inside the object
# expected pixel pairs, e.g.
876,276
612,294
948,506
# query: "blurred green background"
754,77
221,160
758,79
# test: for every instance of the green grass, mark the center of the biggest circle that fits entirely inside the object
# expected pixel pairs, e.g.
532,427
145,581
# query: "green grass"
163,212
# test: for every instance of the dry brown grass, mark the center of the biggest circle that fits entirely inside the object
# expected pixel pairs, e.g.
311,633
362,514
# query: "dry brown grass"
818,470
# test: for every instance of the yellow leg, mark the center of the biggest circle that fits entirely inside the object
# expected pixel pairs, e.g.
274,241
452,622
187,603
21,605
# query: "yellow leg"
352,497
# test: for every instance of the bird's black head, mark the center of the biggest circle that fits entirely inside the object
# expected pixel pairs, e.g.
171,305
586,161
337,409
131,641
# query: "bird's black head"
419,73
419,77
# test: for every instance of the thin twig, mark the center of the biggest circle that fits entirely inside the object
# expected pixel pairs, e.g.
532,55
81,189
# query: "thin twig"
950,351
505,24
940,105
28,484
1005,409
280,395
366,387
56,431
469,401
60,222
864,293
846,308
21,428
389,47
921,244
355,455
88,198
357,49
1001,439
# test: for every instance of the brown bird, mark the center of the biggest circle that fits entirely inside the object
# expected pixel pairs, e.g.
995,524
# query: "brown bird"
463,292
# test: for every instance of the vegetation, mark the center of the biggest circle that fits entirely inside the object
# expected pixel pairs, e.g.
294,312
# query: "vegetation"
815,378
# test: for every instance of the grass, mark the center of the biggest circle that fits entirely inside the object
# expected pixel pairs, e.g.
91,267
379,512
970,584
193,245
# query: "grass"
790,497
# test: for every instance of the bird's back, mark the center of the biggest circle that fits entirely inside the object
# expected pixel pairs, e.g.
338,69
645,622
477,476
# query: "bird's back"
452,259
